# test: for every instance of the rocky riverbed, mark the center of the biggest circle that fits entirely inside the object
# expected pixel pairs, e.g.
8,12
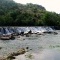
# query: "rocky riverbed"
34,45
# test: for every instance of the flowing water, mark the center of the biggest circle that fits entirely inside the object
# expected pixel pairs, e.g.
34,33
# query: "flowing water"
43,47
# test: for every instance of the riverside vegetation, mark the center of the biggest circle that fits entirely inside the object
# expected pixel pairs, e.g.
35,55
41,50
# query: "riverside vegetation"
16,14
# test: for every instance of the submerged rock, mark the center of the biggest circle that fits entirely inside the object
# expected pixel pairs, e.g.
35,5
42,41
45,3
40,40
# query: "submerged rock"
22,34
22,51
11,56
7,33
5,37
30,32
55,33
2,58
0,47
27,47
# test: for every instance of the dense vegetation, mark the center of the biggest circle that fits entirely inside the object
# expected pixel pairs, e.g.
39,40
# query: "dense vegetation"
14,14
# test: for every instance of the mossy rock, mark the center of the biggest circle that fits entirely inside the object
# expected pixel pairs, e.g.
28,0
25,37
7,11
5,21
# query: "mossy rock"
22,51
11,56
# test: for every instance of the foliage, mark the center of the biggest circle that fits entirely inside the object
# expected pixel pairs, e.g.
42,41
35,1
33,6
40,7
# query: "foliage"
15,14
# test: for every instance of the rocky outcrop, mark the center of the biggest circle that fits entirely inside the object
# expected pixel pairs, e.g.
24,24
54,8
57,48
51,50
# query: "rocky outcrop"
11,56
7,33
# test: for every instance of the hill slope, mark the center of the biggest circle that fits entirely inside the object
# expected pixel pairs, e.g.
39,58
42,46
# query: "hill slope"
14,14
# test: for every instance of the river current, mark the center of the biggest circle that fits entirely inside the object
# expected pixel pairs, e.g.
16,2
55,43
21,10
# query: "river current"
47,45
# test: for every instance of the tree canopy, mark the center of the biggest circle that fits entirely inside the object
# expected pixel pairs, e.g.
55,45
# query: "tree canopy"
15,14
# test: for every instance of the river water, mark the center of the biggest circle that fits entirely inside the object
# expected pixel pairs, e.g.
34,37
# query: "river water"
43,47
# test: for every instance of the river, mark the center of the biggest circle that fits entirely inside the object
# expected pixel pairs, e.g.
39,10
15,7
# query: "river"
42,47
